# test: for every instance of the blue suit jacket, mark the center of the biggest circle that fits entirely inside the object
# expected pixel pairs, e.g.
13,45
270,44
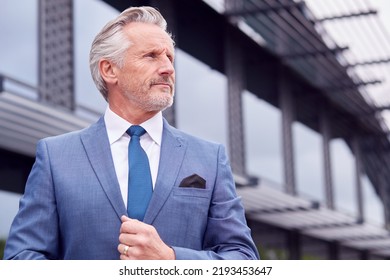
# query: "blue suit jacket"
72,204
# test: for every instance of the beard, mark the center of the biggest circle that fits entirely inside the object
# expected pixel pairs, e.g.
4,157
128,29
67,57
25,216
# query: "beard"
151,99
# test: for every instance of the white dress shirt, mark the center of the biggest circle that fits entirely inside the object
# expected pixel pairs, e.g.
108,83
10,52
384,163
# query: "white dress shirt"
119,142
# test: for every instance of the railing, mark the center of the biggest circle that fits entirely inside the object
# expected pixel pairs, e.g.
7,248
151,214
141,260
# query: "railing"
32,93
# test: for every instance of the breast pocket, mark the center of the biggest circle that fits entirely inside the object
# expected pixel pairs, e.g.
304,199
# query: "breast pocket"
191,202
192,192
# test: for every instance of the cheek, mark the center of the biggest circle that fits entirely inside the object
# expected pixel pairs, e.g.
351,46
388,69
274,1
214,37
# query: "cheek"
137,76
132,78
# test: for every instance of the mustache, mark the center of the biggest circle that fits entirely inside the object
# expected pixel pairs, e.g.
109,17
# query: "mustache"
162,80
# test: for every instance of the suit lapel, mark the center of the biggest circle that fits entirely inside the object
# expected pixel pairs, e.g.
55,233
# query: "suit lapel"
97,147
172,153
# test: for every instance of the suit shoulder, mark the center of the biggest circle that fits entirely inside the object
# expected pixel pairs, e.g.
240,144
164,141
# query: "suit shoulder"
68,137
62,138
195,140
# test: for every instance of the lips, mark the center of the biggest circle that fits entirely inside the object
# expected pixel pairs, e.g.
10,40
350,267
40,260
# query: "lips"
161,83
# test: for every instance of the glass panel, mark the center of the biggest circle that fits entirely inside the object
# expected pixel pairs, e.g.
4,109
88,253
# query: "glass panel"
373,207
308,158
19,43
262,124
343,172
200,99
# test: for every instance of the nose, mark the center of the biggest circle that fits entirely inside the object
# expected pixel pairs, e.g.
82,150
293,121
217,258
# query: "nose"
166,67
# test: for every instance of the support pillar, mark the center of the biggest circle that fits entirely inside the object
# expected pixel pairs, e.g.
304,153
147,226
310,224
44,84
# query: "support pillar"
56,81
287,108
234,71
326,136
358,180
383,193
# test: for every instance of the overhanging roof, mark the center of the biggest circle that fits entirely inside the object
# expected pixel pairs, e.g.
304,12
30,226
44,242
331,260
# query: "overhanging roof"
291,32
264,203
24,121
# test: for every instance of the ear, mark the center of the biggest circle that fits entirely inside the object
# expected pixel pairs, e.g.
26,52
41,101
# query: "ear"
108,71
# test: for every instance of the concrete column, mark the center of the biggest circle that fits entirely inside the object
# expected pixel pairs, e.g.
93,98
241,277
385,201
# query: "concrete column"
358,181
56,73
235,79
287,108
325,130
234,71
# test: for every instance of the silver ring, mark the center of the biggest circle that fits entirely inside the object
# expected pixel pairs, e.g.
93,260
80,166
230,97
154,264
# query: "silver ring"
125,250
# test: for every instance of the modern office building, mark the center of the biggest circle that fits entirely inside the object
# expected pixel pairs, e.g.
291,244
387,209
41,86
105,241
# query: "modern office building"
295,90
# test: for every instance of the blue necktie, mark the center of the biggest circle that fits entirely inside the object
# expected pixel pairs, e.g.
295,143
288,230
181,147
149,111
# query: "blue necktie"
140,180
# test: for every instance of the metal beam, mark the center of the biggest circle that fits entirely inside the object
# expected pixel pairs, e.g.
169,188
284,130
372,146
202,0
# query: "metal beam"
351,86
381,108
348,15
24,87
314,53
263,10
369,62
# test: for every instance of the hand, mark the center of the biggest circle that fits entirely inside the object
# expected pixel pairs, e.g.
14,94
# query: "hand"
143,242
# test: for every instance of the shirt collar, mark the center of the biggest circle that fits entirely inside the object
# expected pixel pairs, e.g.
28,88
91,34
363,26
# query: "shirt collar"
116,126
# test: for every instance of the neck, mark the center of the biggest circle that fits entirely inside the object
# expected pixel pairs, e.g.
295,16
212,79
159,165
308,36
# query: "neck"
132,115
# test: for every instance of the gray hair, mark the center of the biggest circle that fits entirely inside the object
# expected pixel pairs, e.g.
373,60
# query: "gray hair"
111,43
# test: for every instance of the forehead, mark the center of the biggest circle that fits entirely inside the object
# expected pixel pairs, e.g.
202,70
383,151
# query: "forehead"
148,35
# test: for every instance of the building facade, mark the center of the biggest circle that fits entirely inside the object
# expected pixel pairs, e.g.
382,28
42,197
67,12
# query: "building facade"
308,149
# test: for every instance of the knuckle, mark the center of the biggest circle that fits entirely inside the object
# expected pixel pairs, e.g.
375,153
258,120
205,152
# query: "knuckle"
121,238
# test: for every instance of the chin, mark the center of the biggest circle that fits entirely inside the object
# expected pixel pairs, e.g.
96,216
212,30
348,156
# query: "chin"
158,106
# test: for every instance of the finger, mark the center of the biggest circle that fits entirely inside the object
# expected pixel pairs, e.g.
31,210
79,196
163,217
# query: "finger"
133,226
124,218
130,239
126,225
121,248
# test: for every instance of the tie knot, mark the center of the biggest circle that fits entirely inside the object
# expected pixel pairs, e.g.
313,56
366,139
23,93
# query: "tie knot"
136,130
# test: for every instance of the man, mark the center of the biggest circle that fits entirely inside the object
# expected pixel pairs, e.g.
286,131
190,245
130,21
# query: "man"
77,204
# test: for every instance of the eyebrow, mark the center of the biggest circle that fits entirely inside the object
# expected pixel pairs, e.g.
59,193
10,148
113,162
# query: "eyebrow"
158,49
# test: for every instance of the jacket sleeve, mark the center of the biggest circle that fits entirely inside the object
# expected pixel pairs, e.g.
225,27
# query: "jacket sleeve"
34,231
227,235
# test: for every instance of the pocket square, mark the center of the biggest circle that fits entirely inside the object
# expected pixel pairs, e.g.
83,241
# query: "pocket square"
193,181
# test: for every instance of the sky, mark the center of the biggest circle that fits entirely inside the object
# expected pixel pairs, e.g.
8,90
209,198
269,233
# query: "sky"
208,88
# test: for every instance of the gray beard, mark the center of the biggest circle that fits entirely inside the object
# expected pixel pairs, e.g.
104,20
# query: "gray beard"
159,104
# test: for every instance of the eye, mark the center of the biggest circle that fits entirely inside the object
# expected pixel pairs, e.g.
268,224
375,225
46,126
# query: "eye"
151,55
170,57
